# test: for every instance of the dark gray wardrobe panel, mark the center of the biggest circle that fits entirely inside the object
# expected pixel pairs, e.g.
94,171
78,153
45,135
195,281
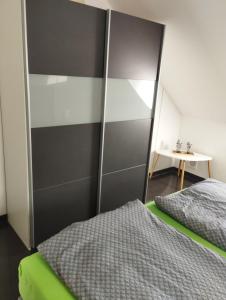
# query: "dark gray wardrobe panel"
58,207
135,47
64,153
65,38
125,144
123,186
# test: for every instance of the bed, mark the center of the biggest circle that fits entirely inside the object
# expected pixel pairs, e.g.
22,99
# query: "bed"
37,281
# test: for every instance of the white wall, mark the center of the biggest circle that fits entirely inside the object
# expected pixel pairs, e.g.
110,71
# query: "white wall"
166,127
12,89
207,137
2,174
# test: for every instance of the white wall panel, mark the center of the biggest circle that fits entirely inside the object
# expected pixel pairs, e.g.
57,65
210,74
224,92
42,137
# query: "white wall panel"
13,102
2,174
129,99
64,100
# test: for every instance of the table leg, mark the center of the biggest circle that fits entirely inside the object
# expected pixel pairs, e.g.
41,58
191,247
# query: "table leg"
182,175
155,160
179,168
209,169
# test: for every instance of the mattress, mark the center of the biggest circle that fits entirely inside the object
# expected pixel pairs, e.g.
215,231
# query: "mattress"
37,281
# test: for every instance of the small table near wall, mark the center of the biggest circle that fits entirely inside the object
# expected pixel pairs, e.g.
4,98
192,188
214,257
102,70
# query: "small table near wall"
183,158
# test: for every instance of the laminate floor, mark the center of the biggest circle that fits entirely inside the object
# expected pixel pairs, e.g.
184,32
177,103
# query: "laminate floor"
166,184
12,251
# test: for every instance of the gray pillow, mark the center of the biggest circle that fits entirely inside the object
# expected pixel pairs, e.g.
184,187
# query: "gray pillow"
201,208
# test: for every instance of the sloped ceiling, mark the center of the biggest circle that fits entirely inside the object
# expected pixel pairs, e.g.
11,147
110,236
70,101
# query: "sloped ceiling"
193,68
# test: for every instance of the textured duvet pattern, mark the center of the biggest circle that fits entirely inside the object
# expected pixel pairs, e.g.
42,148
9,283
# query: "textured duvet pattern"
130,254
201,208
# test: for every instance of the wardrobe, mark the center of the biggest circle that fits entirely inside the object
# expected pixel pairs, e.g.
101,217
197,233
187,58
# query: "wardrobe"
90,80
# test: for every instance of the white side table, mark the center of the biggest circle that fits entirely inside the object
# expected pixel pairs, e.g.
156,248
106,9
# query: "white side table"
182,157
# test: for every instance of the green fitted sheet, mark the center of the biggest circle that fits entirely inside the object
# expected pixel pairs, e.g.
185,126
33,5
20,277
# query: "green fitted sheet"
37,281
172,222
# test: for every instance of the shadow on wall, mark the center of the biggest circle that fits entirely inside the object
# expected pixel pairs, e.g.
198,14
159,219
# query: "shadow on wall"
166,127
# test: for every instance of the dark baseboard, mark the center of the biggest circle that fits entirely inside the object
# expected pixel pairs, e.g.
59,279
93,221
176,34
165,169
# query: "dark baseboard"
3,220
173,170
162,172
192,176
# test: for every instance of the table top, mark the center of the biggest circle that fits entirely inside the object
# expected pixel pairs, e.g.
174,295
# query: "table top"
184,156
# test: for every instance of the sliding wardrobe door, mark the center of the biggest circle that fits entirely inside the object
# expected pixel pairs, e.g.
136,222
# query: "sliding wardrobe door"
66,59
134,47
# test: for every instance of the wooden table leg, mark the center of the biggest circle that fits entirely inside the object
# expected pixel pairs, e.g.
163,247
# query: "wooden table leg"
179,168
182,175
155,160
209,169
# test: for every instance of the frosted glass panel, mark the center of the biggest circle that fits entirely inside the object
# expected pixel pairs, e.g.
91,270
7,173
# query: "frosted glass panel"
64,100
129,99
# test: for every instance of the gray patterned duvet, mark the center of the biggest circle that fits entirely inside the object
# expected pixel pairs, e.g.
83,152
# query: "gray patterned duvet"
130,254
201,208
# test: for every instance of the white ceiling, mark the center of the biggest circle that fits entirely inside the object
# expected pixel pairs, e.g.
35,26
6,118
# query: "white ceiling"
193,68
